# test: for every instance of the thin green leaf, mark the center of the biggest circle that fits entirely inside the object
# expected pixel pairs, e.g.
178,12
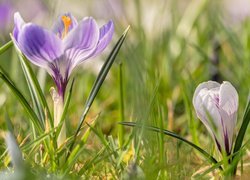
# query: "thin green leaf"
101,77
192,125
94,160
5,47
242,131
122,116
106,146
215,166
23,101
78,149
99,80
209,170
243,128
169,133
39,139
36,105
35,89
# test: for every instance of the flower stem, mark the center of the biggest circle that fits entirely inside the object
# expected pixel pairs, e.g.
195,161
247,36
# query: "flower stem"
58,111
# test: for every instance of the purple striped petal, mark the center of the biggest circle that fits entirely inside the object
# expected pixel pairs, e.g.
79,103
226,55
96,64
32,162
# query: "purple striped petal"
106,33
19,22
81,42
58,27
40,46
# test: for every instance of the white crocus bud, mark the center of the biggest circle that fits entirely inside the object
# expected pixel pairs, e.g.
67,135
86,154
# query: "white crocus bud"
216,106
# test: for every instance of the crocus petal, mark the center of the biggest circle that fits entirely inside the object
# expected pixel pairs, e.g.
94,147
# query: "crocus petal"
106,33
81,41
228,105
208,112
39,45
228,130
19,22
202,99
228,98
206,108
205,85
59,27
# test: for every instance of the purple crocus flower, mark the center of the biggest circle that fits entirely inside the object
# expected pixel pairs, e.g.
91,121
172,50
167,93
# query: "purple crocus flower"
61,49
5,12
216,105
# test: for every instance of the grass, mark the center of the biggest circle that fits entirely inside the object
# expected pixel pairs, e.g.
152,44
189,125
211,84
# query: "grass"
151,83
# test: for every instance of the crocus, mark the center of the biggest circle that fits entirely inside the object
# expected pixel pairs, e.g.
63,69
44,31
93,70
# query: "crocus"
216,106
64,47
61,49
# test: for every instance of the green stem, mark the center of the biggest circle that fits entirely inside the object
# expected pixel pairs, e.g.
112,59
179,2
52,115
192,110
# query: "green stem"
241,134
58,111
121,128
5,47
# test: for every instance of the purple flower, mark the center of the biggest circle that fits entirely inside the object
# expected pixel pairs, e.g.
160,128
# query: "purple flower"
216,105
5,13
61,49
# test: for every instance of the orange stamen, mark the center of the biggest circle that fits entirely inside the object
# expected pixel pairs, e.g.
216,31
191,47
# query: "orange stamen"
67,22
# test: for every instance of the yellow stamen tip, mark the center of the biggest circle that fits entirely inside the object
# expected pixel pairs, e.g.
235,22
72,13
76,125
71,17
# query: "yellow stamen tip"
66,22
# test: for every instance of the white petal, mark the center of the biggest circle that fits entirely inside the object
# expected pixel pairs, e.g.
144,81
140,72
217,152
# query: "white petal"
19,22
205,85
216,106
206,106
228,105
228,98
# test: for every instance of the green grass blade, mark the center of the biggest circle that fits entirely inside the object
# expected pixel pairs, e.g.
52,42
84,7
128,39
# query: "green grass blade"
36,105
5,47
38,140
171,134
209,170
188,105
35,89
243,128
93,161
68,98
242,131
23,101
122,116
99,80
101,76
78,148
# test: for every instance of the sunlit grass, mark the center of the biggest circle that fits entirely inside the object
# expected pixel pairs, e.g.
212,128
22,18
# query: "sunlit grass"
151,83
